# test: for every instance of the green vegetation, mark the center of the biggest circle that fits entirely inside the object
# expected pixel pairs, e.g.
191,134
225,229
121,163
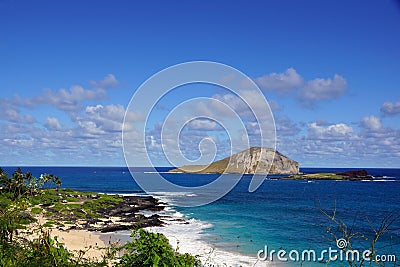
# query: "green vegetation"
316,176
41,252
152,249
20,196
355,175
48,224
36,210
22,184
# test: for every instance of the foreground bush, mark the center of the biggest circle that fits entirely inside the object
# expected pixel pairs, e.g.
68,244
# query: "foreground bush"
152,249
41,252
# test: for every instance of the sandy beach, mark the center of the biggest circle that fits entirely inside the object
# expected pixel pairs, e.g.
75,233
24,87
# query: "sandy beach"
81,240
74,240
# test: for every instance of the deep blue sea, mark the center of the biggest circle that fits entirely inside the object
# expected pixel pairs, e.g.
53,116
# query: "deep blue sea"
282,214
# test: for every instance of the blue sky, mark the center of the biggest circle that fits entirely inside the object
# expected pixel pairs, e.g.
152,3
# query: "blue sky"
328,68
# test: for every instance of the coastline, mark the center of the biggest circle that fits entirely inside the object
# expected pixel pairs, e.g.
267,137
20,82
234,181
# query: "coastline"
184,235
88,224
187,236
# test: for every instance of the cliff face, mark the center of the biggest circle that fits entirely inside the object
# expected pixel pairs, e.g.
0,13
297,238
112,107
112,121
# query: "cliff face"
250,161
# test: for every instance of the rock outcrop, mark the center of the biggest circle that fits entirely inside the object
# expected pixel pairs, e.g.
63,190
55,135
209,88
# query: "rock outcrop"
356,175
255,160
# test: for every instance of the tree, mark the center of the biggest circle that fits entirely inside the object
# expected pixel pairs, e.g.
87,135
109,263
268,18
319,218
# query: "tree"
50,178
345,235
5,181
25,183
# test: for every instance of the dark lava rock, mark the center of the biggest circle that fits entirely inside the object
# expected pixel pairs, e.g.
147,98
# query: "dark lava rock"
153,220
113,228
356,175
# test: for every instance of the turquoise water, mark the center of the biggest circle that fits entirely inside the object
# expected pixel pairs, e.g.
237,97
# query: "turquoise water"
281,214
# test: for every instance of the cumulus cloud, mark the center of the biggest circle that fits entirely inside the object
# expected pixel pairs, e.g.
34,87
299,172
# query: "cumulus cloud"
69,99
52,124
371,123
254,105
203,125
281,82
92,135
390,109
63,99
290,83
11,113
323,89
338,131
101,119
107,82
339,143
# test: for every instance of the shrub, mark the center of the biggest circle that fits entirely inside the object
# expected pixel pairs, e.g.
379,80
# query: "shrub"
36,210
48,224
24,218
41,252
153,249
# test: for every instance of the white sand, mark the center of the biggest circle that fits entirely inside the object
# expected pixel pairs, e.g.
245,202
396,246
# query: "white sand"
73,240
77,240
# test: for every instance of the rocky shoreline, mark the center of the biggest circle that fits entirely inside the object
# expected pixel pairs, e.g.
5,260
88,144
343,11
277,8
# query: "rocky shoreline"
114,213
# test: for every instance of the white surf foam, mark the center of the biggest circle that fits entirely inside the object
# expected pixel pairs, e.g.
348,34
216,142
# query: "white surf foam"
379,180
187,236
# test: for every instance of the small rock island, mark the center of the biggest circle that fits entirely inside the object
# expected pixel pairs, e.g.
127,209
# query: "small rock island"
354,175
255,160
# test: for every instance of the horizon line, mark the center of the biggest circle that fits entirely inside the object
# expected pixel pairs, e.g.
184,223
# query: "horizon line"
102,166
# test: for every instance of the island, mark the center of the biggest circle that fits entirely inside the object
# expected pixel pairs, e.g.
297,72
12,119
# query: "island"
255,160
354,175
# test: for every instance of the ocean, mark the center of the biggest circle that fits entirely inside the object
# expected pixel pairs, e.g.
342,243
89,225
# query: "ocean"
280,215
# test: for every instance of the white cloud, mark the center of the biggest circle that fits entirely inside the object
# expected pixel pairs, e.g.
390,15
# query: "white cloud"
62,99
11,113
110,112
290,83
107,82
281,82
94,137
20,143
14,116
371,123
69,99
254,105
203,125
390,109
342,145
52,124
323,89
105,118
338,131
